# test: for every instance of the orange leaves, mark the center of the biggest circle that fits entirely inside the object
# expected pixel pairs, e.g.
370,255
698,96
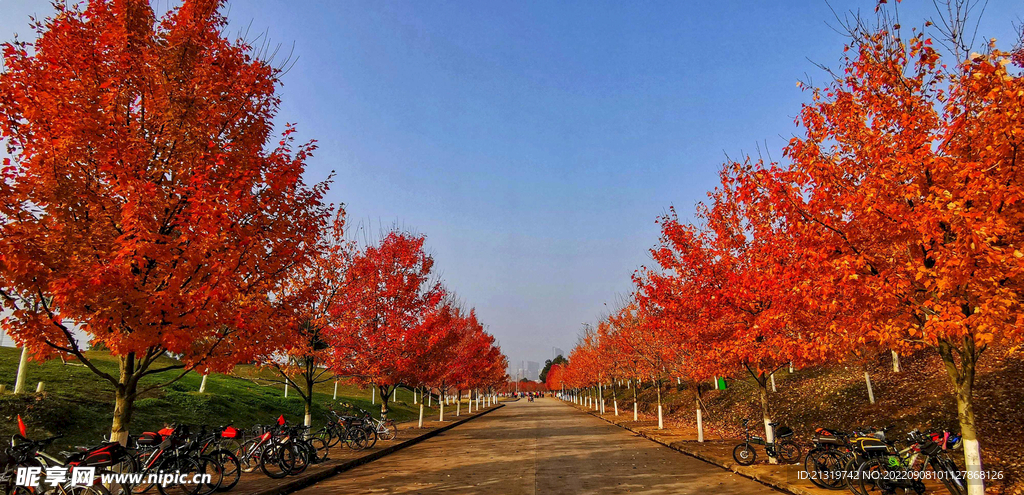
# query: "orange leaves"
127,225
395,325
944,223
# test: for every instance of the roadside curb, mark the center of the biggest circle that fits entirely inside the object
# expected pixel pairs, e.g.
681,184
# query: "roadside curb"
312,479
728,466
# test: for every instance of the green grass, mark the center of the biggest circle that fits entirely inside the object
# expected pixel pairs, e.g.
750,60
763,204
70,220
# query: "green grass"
78,404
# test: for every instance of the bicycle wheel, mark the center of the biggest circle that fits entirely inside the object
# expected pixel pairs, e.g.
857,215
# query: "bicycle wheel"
300,458
851,470
300,454
320,449
325,435
371,436
949,473
814,467
872,476
789,452
357,439
390,431
96,489
744,454
211,468
231,469
129,465
276,461
247,460
184,466
141,460
830,463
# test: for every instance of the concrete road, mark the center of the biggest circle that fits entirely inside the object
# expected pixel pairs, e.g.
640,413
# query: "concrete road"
543,447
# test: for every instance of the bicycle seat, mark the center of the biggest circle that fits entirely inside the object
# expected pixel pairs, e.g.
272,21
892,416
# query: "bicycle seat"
773,424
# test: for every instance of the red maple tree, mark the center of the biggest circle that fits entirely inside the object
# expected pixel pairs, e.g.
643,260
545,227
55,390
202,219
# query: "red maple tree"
907,184
388,312
142,209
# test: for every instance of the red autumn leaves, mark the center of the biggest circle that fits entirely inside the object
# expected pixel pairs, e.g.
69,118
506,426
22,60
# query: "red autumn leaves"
896,223
144,210
393,325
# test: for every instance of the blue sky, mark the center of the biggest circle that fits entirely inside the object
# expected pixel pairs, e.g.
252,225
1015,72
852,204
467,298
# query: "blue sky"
535,143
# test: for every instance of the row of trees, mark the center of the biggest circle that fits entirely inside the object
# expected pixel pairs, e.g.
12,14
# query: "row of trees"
143,210
375,316
895,223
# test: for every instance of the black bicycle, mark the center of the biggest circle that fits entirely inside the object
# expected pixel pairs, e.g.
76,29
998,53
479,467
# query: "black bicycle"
782,448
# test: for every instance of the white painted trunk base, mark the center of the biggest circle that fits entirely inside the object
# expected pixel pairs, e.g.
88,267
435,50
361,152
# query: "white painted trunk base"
972,455
871,392
769,437
19,382
700,426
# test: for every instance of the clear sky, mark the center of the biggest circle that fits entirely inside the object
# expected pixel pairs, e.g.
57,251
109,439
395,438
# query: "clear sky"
535,142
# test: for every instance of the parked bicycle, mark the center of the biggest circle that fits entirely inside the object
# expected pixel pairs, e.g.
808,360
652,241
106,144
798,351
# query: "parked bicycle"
385,429
782,448
25,453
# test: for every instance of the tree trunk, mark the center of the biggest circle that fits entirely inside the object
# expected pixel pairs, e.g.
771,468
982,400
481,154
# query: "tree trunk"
307,419
335,390
441,403
122,416
635,415
202,384
421,415
458,405
700,422
871,391
661,423
772,376
962,379
615,399
896,368
124,398
762,386
383,403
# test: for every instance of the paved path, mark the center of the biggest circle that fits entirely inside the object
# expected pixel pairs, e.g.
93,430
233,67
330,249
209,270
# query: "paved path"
544,447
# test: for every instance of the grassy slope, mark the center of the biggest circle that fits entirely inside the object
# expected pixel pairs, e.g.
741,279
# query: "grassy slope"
78,404
836,396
